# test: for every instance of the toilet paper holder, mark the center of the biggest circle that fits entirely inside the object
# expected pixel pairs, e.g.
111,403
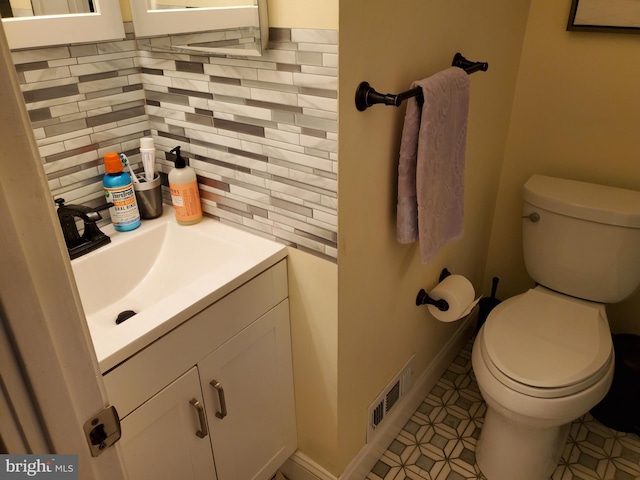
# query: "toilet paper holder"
423,297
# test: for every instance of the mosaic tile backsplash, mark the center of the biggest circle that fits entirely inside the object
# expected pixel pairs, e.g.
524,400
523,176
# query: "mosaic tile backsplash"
261,132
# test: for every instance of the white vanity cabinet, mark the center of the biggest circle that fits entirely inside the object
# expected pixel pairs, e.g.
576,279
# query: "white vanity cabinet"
158,439
217,389
249,383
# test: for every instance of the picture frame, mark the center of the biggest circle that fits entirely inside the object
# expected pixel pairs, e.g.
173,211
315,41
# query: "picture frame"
612,16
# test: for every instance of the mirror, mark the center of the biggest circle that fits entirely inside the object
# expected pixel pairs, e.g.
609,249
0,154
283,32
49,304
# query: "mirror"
225,27
177,4
102,22
26,8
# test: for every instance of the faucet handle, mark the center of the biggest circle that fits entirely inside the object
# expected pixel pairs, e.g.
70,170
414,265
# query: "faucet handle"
88,214
104,206
91,217
94,214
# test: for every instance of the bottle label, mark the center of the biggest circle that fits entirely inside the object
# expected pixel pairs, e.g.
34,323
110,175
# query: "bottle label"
186,201
125,207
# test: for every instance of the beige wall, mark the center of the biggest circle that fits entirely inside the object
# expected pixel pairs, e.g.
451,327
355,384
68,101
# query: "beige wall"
313,297
21,4
389,44
321,14
126,10
576,115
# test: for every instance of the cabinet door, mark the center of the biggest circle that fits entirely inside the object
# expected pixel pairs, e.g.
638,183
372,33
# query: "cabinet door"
163,439
248,390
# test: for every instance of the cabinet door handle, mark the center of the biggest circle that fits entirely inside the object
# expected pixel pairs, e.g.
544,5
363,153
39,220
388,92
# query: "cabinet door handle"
223,404
204,431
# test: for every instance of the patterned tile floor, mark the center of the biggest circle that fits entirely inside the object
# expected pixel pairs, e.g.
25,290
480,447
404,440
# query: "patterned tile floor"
439,441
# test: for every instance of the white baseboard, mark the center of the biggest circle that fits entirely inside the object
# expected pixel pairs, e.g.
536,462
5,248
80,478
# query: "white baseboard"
301,467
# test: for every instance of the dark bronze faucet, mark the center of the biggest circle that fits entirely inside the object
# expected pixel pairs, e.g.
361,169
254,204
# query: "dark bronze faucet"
92,238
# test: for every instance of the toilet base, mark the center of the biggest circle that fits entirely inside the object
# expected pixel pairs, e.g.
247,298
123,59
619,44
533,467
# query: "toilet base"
508,451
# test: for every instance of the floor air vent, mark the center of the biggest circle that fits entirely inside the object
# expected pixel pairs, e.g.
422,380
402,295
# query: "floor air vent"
380,408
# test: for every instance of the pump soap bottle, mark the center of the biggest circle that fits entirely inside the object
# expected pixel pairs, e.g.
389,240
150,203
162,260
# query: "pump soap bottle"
118,189
185,196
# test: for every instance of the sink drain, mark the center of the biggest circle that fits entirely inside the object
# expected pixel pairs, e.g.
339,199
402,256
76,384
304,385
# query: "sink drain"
125,315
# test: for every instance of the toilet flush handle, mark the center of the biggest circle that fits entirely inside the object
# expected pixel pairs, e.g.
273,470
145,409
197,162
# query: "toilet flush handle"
534,217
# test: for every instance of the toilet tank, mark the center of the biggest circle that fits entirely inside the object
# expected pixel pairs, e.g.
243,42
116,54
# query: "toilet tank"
584,240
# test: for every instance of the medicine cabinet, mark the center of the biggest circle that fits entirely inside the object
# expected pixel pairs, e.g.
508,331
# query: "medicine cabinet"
98,20
233,27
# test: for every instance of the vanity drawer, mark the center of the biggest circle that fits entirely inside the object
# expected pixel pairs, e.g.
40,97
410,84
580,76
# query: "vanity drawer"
147,372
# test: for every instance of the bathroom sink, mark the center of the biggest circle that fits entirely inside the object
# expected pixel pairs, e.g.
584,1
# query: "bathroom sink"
154,278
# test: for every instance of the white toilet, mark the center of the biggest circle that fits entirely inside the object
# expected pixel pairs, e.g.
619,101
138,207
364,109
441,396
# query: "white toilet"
545,357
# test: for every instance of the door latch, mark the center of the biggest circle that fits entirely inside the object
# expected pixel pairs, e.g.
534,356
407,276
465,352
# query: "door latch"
102,430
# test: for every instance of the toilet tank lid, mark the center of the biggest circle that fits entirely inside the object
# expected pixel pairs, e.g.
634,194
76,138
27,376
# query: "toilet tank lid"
587,201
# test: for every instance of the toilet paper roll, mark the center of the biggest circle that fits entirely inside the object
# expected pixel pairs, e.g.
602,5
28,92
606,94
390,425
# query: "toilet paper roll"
459,294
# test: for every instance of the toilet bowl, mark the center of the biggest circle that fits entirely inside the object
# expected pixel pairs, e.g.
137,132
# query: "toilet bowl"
545,357
536,379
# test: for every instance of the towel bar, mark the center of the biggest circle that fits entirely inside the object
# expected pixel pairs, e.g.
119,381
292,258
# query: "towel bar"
366,96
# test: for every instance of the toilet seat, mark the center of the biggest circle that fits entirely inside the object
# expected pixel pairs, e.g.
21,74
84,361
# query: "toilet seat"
547,345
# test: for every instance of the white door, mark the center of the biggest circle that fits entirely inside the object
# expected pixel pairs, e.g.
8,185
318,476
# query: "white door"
53,384
166,438
248,383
